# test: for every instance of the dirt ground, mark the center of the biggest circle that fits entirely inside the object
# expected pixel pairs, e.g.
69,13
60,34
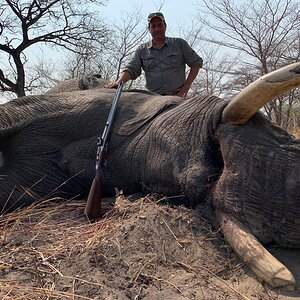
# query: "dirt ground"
145,249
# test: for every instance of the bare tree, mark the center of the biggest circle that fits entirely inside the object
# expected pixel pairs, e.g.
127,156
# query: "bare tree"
125,37
258,29
61,23
84,62
44,74
212,78
265,35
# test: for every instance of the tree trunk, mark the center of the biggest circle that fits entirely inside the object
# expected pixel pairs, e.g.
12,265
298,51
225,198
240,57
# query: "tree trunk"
20,84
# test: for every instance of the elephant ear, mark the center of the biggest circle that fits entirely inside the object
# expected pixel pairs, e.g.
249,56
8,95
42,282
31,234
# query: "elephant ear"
148,112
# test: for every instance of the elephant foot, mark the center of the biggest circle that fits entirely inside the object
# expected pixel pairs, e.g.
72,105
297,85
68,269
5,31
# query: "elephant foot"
250,250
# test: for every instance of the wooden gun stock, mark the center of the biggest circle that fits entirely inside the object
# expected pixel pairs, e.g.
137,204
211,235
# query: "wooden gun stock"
93,205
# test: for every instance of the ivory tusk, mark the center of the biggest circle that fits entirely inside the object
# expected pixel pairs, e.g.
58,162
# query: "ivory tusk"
268,87
251,251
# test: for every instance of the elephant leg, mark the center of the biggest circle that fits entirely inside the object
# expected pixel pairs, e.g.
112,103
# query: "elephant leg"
79,159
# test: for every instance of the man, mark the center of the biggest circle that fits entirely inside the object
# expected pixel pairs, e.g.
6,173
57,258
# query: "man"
163,60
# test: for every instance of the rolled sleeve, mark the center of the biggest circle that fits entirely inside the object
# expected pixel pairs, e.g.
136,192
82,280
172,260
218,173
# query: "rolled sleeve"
134,67
191,58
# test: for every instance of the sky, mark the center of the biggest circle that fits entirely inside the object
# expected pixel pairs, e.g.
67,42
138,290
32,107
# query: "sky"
175,11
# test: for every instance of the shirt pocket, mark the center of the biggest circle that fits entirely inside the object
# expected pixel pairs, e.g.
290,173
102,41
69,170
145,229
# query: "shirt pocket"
174,59
149,63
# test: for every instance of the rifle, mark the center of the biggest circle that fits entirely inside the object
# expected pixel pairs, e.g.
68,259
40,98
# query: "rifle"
93,205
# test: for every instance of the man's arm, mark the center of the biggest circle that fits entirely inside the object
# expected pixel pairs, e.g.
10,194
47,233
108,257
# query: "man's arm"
190,79
132,70
125,76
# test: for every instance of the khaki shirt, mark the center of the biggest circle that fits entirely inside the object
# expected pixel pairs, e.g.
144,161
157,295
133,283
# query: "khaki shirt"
165,67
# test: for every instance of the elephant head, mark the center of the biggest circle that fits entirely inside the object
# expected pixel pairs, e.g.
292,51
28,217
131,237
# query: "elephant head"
261,187
76,84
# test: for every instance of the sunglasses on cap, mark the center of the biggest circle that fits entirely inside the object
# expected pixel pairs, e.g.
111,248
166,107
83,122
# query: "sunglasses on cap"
157,14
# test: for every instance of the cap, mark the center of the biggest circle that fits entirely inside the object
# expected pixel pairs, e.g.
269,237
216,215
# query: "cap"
156,14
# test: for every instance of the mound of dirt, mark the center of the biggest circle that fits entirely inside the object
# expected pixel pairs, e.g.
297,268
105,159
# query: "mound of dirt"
138,250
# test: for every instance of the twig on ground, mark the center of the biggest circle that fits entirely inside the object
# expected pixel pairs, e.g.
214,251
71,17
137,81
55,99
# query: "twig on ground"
134,279
175,237
190,268
162,280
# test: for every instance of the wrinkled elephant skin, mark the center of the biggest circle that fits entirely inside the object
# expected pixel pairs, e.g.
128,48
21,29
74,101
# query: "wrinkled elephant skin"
163,144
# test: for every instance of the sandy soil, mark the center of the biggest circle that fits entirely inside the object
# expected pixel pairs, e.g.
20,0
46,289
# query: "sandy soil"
139,250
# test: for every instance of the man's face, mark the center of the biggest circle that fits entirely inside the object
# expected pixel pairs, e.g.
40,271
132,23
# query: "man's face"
157,29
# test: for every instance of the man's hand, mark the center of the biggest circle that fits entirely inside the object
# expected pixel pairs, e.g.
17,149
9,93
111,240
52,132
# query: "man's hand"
111,85
125,76
182,92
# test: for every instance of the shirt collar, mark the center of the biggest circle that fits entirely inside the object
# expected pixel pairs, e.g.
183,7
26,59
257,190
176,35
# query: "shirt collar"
150,43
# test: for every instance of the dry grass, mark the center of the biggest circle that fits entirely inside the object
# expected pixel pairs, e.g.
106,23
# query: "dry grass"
39,241
50,251
35,237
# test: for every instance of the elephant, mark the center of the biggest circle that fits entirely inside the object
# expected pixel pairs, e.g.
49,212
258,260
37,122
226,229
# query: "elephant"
85,83
199,149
